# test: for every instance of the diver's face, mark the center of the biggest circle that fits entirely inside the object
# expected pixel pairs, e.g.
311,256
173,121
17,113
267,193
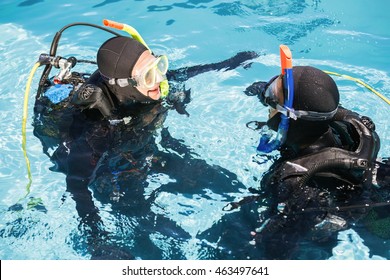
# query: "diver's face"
144,61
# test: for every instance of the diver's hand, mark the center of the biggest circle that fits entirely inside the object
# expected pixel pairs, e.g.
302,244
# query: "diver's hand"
255,89
179,100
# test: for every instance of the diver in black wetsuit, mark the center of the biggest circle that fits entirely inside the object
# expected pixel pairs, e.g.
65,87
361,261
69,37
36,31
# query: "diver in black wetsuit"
323,180
326,179
105,138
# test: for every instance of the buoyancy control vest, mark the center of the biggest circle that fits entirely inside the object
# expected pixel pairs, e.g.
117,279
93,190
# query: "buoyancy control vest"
352,166
80,90
93,94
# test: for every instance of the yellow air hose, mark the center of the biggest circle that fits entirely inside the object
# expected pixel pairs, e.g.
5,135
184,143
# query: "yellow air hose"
361,83
24,122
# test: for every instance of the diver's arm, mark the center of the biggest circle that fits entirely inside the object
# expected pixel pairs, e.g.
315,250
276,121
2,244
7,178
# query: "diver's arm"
288,201
183,74
192,175
179,96
86,209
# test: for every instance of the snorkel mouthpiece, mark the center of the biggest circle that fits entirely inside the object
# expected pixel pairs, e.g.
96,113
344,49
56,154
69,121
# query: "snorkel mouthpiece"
164,88
269,142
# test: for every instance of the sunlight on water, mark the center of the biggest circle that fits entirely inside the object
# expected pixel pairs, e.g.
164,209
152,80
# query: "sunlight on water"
351,247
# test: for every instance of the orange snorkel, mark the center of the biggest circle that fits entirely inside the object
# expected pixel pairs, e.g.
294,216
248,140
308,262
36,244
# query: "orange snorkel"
127,28
268,143
286,65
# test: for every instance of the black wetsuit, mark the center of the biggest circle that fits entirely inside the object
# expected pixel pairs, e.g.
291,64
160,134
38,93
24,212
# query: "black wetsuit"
320,190
118,156
307,197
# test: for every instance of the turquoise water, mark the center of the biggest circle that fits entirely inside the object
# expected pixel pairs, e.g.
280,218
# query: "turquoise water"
348,37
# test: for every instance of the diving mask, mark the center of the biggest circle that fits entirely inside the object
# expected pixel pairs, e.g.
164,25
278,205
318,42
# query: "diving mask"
272,96
269,96
153,73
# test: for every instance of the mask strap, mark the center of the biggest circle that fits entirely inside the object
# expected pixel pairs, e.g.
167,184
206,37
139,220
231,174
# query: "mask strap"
122,82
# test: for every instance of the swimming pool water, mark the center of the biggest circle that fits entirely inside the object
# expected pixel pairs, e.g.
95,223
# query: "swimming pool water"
348,37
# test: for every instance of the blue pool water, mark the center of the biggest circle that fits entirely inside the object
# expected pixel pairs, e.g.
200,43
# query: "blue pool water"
40,221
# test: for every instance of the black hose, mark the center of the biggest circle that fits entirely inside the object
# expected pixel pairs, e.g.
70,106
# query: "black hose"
56,39
346,208
54,46
343,163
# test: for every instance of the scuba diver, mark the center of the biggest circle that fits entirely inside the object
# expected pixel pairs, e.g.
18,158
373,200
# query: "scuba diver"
326,179
106,131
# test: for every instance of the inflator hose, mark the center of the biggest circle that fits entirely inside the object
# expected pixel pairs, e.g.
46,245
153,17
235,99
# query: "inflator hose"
343,163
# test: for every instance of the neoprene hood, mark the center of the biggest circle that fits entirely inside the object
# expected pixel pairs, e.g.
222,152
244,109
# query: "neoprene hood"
116,59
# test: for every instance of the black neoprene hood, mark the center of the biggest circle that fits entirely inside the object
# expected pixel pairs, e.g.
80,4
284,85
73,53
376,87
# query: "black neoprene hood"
116,59
314,90
117,56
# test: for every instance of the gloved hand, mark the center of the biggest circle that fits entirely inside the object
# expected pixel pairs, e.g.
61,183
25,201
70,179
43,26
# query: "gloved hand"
255,89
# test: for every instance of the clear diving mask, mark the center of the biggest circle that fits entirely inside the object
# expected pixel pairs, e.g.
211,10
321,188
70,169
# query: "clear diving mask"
153,73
